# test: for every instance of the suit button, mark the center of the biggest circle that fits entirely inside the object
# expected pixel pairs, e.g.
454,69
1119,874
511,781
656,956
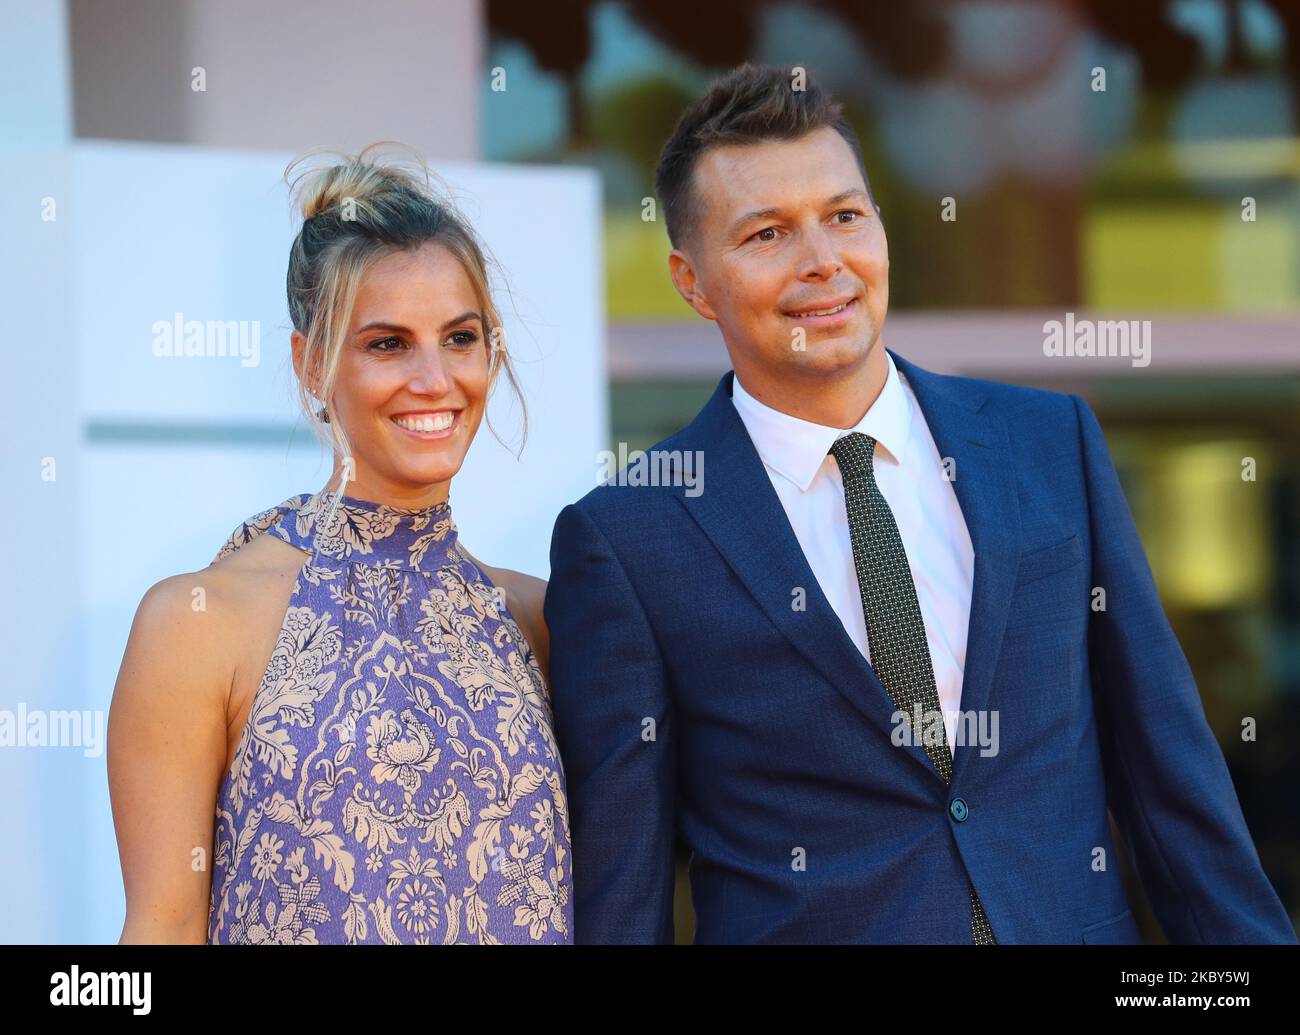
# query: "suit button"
958,810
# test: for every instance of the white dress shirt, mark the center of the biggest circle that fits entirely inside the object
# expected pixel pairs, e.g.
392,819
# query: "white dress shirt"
910,475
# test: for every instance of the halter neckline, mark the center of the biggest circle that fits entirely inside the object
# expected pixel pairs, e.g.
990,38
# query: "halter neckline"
366,532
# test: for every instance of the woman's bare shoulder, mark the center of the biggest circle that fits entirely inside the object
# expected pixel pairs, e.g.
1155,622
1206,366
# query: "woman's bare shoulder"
170,723
175,673
267,556
203,616
520,584
524,597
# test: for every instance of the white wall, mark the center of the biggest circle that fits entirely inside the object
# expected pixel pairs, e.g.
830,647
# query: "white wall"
159,459
42,793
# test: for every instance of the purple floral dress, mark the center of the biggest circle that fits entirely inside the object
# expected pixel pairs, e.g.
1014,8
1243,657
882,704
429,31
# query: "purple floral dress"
397,779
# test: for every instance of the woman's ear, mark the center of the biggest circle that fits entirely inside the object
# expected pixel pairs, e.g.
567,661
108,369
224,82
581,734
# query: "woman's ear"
298,347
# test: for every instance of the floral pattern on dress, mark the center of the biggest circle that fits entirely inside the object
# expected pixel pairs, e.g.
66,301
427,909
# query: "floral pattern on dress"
397,779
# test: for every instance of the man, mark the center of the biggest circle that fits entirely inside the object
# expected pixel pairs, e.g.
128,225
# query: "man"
771,668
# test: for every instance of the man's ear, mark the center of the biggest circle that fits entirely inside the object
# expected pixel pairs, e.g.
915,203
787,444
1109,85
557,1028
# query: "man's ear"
681,269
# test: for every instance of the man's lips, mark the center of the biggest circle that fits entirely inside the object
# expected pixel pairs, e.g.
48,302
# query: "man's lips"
824,313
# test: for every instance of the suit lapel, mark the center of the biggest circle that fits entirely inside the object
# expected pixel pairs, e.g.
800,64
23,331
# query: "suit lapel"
985,483
742,515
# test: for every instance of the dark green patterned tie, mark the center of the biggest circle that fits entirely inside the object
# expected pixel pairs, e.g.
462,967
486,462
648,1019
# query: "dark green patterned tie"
895,630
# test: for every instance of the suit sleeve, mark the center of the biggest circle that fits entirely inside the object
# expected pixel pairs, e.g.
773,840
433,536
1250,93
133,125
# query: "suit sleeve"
607,680
1167,783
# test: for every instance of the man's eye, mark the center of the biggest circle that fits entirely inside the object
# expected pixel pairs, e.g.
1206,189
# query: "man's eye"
767,229
847,211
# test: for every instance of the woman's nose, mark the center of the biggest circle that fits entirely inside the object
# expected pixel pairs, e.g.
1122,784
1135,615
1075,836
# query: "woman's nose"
429,376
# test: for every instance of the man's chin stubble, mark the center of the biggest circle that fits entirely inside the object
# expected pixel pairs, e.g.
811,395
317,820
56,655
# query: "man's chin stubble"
824,366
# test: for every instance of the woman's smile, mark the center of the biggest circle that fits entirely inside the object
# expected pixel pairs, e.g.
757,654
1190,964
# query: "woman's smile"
428,424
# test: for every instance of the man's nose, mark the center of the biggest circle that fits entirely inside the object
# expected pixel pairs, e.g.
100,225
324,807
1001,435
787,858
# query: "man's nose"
820,258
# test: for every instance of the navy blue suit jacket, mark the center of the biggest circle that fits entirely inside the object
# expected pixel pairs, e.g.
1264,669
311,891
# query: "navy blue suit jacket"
693,698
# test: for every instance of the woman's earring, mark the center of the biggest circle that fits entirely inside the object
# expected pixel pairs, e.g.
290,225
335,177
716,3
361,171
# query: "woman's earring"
322,414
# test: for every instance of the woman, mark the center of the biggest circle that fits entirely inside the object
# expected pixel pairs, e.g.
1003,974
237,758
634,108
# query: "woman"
359,700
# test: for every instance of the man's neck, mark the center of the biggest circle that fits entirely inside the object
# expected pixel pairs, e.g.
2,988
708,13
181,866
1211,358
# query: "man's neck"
834,401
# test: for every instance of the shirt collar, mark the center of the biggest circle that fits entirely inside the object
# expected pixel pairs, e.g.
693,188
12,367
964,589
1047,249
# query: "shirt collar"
797,448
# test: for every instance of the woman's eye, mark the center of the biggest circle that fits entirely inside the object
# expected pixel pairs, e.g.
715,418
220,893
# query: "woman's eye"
380,345
463,338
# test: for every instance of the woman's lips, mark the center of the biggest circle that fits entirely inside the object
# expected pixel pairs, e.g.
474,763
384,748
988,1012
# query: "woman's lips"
428,436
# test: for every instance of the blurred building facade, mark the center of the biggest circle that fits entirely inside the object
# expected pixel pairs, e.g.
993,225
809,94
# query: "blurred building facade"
1034,162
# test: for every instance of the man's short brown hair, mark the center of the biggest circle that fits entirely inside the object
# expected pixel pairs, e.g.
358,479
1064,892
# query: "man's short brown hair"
749,104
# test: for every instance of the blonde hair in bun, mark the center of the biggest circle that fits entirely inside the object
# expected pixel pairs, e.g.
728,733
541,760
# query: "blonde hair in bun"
355,210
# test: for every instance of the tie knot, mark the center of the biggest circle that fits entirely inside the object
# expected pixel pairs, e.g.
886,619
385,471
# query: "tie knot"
854,453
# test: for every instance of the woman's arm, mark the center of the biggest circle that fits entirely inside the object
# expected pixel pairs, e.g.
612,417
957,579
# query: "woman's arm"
167,742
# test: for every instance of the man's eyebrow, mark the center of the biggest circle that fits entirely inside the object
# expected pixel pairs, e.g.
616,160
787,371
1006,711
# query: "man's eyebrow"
768,213
384,325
